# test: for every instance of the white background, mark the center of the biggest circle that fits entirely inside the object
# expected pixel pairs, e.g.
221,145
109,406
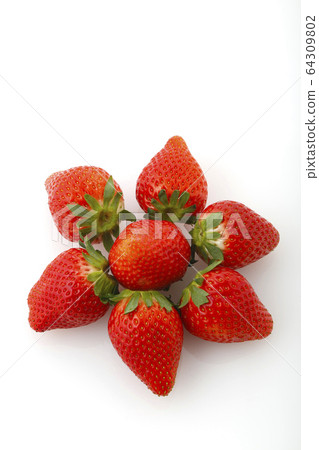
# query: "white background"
107,83
310,249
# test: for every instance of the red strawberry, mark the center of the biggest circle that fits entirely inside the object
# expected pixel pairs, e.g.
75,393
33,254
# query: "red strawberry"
88,193
147,332
172,182
231,231
149,254
65,297
220,305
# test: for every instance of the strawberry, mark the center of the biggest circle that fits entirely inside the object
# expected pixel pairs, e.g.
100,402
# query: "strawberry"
221,306
147,333
85,200
149,254
172,183
231,231
65,296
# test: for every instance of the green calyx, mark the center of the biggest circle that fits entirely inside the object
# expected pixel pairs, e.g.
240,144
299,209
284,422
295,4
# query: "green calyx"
148,297
205,237
193,290
102,220
104,284
172,209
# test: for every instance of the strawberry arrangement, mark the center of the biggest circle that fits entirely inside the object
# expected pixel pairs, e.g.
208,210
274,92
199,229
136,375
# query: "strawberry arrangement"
127,270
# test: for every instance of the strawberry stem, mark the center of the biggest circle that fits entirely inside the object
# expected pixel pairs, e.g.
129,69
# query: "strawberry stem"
193,290
102,219
134,297
104,284
172,209
207,238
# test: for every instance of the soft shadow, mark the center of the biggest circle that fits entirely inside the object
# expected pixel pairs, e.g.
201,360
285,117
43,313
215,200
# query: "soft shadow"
214,353
82,337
